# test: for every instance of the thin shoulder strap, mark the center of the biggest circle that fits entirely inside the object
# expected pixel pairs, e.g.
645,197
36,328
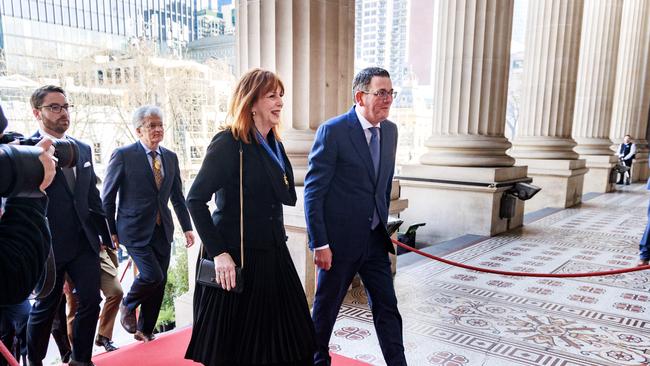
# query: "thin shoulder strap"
241,203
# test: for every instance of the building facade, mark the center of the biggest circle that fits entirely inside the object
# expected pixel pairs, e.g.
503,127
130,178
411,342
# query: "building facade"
39,35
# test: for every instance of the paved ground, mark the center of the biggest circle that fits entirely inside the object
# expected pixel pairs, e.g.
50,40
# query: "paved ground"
455,317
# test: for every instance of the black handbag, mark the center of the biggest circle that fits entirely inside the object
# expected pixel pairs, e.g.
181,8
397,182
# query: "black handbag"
206,274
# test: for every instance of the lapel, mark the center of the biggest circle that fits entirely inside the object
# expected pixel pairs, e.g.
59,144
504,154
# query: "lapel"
80,170
167,168
384,148
284,194
359,143
144,159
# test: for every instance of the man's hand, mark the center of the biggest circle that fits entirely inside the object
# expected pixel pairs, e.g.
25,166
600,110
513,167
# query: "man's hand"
224,268
189,238
323,258
47,159
116,241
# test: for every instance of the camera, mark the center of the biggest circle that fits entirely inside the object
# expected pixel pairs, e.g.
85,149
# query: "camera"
26,172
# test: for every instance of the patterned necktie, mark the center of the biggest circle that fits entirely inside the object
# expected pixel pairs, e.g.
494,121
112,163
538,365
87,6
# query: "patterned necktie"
374,154
157,176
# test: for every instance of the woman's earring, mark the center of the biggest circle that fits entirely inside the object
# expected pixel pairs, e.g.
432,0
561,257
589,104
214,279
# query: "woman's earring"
254,114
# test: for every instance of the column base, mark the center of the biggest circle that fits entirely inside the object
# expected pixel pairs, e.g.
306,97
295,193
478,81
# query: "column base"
183,306
640,169
561,181
298,244
598,178
455,201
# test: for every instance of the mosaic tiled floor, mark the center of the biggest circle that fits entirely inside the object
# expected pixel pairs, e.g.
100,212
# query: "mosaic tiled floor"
455,317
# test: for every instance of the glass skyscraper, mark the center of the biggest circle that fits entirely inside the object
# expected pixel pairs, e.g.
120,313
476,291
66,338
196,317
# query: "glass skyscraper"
35,34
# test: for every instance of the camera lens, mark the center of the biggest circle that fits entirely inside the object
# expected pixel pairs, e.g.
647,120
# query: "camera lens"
66,151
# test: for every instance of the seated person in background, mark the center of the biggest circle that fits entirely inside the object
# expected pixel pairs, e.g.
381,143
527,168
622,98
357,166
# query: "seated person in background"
626,153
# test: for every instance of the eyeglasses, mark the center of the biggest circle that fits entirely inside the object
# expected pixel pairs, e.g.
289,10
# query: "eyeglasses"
153,126
57,108
382,93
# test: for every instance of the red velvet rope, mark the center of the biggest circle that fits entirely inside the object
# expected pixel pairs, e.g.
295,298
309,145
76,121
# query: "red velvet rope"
7,355
128,264
521,274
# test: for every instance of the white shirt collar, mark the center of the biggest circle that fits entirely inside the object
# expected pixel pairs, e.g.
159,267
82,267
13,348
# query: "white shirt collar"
364,122
45,134
148,150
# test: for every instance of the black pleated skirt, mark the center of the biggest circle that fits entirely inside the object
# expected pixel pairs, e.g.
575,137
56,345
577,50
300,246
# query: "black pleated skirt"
267,324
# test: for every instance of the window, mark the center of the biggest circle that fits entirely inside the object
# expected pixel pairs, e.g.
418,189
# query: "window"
196,152
97,152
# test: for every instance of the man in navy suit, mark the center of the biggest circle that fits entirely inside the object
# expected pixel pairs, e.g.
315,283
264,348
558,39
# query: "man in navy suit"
146,176
347,194
75,240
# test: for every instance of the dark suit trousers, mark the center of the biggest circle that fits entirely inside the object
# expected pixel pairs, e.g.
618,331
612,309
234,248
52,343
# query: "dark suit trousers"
13,324
149,287
84,271
374,269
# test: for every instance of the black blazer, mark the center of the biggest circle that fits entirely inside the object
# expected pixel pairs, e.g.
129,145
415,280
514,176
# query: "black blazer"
264,194
129,173
68,212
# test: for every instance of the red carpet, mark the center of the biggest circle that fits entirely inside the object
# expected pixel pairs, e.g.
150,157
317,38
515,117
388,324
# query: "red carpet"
168,350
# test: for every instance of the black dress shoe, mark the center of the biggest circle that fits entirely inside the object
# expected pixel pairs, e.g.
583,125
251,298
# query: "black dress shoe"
80,363
108,345
127,318
144,337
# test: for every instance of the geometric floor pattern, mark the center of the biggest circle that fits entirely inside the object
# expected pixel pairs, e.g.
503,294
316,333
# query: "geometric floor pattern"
456,317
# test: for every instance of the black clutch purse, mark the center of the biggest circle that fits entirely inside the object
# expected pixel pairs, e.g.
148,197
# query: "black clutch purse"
206,276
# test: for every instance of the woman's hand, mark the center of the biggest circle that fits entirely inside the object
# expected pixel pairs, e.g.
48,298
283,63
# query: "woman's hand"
224,268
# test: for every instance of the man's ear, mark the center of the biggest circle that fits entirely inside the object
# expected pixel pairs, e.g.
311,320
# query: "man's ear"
358,98
37,113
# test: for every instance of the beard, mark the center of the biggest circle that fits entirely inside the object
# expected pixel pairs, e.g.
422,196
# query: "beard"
59,125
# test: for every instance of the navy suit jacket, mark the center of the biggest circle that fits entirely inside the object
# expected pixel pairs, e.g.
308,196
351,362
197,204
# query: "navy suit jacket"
129,173
341,189
68,212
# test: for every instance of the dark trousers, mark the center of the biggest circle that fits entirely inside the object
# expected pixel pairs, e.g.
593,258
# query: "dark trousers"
13,329
625,176
148,287
60,329
84,271
644,245
374,269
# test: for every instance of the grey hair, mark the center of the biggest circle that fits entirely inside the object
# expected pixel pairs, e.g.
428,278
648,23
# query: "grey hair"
145,111
362,80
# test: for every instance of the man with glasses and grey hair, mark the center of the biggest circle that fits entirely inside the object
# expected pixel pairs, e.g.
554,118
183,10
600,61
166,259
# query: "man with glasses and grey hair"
145,176
347,193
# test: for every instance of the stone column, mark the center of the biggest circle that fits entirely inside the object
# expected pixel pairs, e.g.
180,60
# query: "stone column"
632,92
595,91
543,135
457,186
